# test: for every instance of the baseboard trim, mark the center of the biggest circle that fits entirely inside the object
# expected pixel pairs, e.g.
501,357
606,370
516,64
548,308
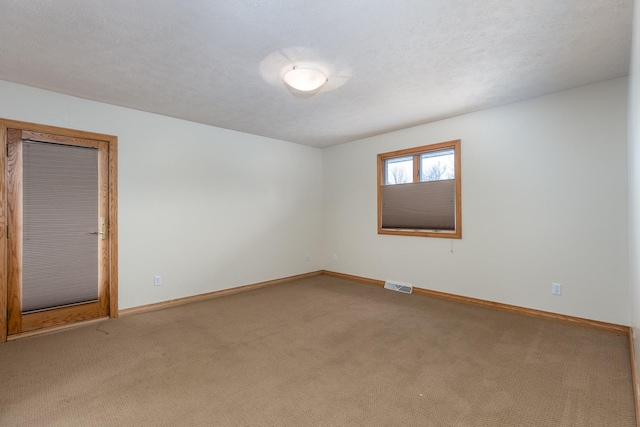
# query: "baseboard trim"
609,327
355,278
634,376
209,295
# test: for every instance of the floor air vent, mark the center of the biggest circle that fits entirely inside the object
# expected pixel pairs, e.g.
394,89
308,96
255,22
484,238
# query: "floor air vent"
399,287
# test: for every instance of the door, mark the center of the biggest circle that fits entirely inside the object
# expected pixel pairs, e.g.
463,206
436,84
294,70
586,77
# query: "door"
58,236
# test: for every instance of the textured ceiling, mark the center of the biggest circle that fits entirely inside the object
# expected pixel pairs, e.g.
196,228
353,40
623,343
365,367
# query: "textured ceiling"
391,64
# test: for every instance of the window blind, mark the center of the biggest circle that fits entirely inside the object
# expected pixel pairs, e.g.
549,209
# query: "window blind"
60,209
420,205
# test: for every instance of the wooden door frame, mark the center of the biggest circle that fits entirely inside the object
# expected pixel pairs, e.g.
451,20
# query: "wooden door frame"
112,234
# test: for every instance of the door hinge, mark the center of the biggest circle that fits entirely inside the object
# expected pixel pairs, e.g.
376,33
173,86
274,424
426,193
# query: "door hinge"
8,232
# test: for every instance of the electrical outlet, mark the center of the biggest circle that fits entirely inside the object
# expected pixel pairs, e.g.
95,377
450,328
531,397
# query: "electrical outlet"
556,288
306,257
335,257
157,280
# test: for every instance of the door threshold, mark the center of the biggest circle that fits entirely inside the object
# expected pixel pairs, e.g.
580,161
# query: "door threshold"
55,328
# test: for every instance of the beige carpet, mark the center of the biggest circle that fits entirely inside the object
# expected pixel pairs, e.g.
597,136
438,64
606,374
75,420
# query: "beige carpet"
319,352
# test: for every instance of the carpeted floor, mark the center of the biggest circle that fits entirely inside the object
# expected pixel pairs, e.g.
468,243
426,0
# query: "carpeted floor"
319,352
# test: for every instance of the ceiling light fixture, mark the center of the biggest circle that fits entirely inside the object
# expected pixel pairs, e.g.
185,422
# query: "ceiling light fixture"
305,78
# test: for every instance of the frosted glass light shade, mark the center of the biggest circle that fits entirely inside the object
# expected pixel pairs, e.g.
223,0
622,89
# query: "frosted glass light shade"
305,79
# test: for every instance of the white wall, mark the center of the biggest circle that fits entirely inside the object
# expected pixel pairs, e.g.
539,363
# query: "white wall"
206,208
634,179
544,199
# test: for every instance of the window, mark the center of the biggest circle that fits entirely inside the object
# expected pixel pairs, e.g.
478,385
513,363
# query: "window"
419,191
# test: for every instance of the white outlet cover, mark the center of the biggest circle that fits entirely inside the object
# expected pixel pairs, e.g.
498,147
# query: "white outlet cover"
556,289
157,280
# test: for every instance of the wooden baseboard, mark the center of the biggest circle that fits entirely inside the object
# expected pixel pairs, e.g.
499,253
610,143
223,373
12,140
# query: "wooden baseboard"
210,295
634,376
609,327
356,278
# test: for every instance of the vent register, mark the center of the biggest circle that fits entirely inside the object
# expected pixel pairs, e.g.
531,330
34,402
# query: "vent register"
398,287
